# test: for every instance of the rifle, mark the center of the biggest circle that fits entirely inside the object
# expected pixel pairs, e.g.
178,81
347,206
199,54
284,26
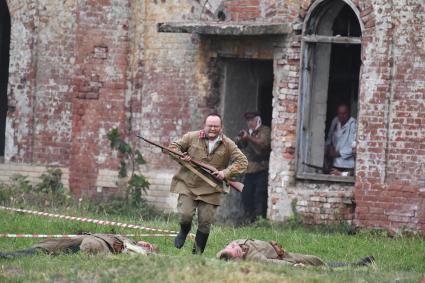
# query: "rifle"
206,168
323,168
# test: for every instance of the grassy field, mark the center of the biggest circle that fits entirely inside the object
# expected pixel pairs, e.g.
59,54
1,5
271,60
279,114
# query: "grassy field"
399,259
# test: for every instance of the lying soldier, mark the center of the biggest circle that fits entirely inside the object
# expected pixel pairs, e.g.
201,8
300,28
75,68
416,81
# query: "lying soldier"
258,250
88,243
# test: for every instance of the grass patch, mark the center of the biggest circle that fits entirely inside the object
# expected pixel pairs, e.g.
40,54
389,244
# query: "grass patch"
399,259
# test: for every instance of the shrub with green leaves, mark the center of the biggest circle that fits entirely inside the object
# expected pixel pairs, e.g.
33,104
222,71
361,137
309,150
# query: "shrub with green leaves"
15,189
49,192
130,161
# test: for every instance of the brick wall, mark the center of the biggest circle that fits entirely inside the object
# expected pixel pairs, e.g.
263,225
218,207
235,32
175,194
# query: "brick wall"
77,69
389,189
175,82
325,203
32,172
102,47
390,186
21,88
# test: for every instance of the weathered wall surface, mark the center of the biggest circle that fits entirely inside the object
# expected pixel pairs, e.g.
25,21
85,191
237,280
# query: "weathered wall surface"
78,69
41,68
390,186
174,84
32,172
21,81
102,52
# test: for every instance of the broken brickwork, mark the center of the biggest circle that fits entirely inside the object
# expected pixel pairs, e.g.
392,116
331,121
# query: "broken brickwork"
79,69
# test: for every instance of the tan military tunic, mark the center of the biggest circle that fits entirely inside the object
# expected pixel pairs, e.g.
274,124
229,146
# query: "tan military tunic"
263,251
258,154
225,156
92,244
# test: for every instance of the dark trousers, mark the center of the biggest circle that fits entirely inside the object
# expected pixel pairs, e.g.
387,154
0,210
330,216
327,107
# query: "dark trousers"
254,194
187,207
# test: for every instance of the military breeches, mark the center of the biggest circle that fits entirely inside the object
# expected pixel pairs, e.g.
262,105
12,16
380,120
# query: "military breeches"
187,206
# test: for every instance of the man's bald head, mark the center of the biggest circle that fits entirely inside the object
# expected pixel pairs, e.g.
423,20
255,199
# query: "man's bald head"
343,113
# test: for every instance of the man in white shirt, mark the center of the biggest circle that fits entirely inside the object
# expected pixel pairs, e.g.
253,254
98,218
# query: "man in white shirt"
341,142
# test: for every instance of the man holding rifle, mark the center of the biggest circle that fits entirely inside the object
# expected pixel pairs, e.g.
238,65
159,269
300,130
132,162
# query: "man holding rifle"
209,146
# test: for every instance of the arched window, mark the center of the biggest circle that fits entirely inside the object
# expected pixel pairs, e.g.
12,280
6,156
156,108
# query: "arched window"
330,77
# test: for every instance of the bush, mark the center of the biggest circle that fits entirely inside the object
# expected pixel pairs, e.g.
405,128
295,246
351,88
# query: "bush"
131,160
51,193
15,191
48,193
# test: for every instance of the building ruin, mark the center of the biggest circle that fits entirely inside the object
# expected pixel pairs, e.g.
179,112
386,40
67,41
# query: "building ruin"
70,71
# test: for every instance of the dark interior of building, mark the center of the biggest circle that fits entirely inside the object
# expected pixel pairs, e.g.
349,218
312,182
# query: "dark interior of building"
344,68
4,68
248,86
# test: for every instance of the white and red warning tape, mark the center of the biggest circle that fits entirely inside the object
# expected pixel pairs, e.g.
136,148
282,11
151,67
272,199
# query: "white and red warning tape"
5,235
89,220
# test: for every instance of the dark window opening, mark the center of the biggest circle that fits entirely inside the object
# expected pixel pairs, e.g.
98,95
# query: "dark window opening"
346,23
4,69
265,95
343,80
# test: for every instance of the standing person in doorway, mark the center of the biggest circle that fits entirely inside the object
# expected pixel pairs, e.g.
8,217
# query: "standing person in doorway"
210,146
255,144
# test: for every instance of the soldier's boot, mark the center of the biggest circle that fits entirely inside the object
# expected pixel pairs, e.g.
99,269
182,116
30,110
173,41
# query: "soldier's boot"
200,242
181,236
14,254
365,261
362,262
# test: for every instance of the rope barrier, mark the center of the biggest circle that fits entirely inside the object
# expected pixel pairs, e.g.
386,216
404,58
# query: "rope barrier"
49,236
89,220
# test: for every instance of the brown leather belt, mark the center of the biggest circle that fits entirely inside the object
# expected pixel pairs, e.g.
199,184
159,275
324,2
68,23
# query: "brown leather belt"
278,249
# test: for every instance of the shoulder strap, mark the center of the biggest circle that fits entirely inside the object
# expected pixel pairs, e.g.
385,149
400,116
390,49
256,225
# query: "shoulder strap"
110,247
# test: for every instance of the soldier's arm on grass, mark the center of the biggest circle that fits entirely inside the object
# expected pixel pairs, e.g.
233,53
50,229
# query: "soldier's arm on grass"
279,261
256,256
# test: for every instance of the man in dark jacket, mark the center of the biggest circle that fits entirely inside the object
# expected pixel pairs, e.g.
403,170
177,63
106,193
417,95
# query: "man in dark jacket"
255,144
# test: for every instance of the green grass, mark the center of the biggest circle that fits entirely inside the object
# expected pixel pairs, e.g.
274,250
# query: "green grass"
399,259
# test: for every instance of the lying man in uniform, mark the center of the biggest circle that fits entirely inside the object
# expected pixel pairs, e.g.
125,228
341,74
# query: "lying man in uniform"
258,250
88,243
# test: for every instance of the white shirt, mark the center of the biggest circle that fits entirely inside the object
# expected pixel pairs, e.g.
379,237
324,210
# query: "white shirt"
212,143
342,138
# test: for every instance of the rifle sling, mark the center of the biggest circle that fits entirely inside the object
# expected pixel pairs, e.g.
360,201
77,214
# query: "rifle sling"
199,174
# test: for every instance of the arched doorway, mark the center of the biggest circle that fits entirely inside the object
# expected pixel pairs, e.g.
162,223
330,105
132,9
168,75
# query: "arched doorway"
4,70
331,60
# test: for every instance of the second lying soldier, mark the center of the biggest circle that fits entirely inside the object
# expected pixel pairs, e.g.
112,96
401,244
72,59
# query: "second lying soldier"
258,250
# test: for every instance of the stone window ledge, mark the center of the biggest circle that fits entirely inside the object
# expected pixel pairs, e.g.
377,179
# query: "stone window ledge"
325,177
225,28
